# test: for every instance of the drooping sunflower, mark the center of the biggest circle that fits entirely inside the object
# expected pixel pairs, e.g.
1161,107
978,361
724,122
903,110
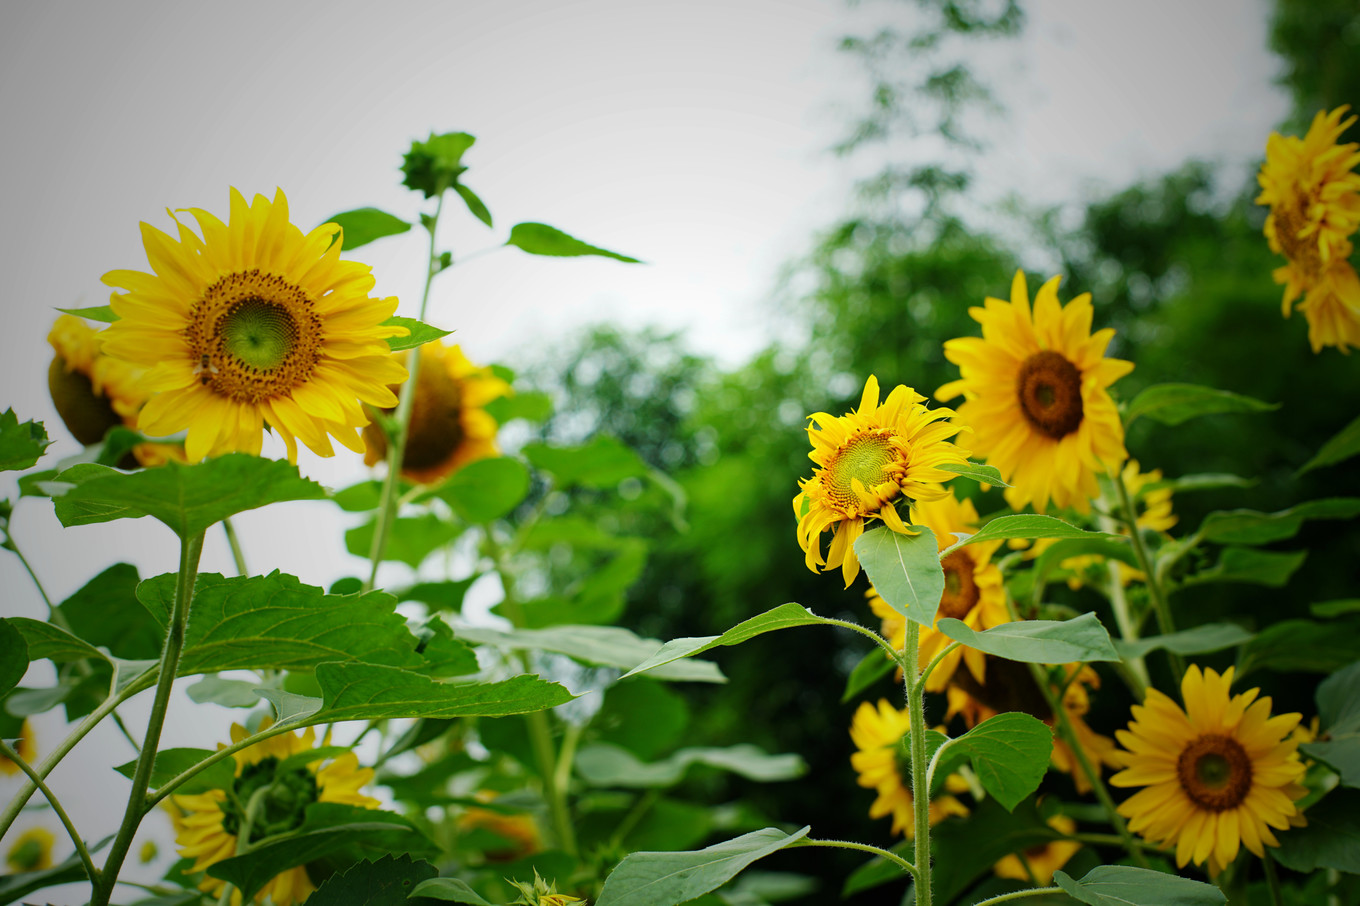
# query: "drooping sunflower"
973,592
254,324
883,764
1217,775
94,392
867,460
1036,395
1044,859
31,850
449,427
207,824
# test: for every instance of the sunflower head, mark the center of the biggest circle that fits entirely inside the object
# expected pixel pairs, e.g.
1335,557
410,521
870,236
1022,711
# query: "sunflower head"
867,461
519,830
1331,306
1042,860
1035,388
24,748
449,425
1216,775
542,893
250,324
882,763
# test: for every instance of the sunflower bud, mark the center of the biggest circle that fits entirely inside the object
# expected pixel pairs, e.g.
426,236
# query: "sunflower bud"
435,164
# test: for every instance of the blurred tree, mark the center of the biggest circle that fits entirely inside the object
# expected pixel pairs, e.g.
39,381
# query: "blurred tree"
1320,43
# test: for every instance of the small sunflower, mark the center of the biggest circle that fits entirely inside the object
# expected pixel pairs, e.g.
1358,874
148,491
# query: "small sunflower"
207,824
519,830
883,765
1036,395
1314,198
866,461
25,748
449,426
1154,515
1217,775
973,592
31,850
1042,860
94,392
543,893
254,324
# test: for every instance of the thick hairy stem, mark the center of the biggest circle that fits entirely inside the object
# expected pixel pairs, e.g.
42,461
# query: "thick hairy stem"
860,847
920,787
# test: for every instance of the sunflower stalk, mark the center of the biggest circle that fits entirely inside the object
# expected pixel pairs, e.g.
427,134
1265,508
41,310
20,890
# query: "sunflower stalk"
1159,603
190,551
920,786
889,855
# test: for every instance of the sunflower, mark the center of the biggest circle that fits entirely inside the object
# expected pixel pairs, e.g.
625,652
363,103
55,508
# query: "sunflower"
1044,859
1036,395
1154,515
25,748
1314,198
207,824
254,324
1011,687
1332,309
517,830
973,592
880,734
1217,775
866,460
449,426
31,850
542,893
94,392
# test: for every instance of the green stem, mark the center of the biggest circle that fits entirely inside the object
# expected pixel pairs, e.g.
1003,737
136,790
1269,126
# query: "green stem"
898,656
189,773
920,787
237,553
56,807
861,847
630,820
1034,892
190,551
1272,879
935,661
1160,607
396,444
1134,672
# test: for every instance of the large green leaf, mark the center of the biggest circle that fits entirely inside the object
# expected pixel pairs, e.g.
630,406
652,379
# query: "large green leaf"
1009,753
532,406
1342,446
785,616
187,498
1338,699
386,882
170,763
1245,564
410,539
486,490
1026,525
418,333
1301,646
905,570
363,225
13,657
644,716
1200,640
670,878
105,613
1331,839
872,667
1038,641
1172,404
541,239
44,640
602,462
21,445
1253,527
611,646
1124,885
605,765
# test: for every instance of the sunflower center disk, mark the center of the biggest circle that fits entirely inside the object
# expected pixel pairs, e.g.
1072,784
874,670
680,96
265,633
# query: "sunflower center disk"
259,334
960,590
866,457
279,799
1215,772
1049,390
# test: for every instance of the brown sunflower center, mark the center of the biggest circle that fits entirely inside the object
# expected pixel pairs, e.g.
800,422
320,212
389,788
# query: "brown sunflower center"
254,337
866,458
1049,390
960,588
1215,772
1302,252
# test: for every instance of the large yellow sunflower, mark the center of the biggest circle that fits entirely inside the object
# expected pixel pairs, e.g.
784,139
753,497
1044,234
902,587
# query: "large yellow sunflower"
973,592
1217,775
449,426
1041,860
207,824
866,461
254,324
1036,395
883,765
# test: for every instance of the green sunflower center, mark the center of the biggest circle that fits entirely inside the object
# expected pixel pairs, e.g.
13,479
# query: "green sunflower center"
960,590
259,333
1049,390
280,799
1215,772
866,458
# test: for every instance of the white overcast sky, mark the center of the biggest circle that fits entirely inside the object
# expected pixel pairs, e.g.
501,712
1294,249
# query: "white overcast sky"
687,133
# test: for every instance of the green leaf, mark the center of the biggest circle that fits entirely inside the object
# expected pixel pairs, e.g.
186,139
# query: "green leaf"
601,463
1338,699
873,667
386,882
644,716
1025,525
474,204
979,472
225,692
610,646
363,225
1252,527
1124,885
670,878
370,692
13,657
530,405
486,490
439,595
785,616
1201,640
170,763
1245,564
105,613
1344,445
1301,646
1204,481
1172,404
328,830
1009,753
20,445
1331,839
45,640
359,498
606,765
450,890
541,239
598,598
187,498
1038,641
410,539
418,333
905,570
103,313
1337,608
